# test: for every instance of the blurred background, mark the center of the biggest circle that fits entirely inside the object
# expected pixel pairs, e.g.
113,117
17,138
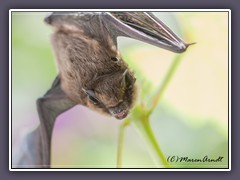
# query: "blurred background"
190,120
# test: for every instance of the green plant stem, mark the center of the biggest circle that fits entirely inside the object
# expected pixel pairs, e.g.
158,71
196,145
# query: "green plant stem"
155,145
144,128
165,82
120,142
140,119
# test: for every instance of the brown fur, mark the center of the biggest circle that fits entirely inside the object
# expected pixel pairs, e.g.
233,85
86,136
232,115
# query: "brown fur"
85,62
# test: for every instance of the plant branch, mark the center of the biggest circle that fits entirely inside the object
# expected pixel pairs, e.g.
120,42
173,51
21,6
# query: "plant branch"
123,125
167,79
144,128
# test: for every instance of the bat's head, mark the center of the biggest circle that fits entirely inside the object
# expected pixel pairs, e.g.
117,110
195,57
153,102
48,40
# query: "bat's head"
113,93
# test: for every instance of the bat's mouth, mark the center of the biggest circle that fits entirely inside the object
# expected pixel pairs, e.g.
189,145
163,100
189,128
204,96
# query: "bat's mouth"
121,115
146,27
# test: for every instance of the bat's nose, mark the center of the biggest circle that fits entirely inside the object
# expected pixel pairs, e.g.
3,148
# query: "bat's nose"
121,115
118,113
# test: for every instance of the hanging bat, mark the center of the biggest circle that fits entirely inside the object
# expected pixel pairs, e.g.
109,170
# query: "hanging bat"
92,71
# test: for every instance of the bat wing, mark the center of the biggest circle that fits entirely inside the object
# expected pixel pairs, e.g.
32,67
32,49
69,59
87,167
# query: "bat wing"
146,27
51,105
36,147
143,26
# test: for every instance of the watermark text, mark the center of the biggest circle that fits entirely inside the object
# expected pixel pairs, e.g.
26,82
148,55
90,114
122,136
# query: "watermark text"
204,159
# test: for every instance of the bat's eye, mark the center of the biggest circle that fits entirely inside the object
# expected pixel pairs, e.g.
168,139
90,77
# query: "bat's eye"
114,59
91,95
94,100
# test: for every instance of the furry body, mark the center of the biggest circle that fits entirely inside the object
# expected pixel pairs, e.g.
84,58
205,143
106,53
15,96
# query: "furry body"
89,62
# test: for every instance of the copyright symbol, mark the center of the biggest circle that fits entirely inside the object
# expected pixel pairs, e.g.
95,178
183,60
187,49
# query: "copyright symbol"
171,158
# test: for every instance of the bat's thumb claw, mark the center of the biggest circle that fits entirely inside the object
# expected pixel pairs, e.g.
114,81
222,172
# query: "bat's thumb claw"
189,44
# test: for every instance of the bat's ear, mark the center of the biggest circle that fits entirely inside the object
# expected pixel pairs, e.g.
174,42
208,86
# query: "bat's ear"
124,78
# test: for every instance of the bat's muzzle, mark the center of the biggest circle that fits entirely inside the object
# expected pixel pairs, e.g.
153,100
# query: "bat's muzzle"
121,115
118,113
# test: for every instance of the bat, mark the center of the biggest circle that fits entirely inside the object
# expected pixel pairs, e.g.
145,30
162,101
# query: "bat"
92,71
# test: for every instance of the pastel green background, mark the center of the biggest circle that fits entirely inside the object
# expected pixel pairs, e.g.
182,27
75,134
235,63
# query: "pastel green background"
190,120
